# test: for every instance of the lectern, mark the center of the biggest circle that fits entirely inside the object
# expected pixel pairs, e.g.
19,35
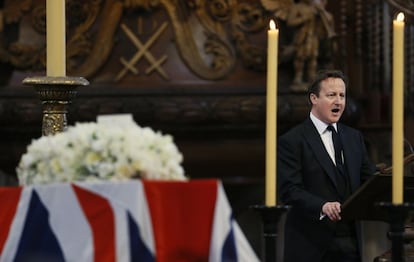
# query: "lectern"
364,203
372,201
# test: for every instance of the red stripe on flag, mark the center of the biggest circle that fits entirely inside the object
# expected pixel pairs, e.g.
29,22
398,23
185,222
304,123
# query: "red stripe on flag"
9,198
182,217
100,215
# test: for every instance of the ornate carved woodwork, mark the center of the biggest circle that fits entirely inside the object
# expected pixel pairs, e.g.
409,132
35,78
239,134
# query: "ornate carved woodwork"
209,36
194,68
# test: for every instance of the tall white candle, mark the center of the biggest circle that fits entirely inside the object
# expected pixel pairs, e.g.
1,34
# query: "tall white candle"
398,110
271,114
55,38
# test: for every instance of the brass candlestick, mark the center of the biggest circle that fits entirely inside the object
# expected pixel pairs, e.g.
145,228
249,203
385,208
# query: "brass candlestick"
56,94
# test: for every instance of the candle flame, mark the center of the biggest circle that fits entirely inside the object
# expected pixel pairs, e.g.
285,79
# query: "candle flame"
272,25
400,17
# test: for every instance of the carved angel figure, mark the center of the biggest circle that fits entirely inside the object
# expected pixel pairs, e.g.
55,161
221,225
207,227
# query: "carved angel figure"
312,22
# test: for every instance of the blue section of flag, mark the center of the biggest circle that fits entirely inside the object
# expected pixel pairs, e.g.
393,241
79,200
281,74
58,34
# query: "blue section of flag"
38,242
139,252
229,252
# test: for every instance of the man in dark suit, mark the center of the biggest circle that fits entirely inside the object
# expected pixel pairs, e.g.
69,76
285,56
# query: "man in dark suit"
317,172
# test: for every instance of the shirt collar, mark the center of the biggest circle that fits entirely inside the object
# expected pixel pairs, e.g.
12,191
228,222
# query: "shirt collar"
320,125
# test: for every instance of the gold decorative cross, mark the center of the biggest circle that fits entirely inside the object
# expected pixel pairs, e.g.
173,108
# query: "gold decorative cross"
142,50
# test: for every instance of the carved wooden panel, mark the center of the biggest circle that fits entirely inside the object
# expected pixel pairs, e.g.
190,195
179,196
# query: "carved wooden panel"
196,69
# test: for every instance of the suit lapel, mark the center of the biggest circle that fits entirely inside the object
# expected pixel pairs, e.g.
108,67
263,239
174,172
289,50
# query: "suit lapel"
312,136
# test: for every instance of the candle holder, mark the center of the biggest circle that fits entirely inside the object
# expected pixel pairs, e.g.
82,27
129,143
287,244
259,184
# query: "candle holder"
56,93
398,214
270,216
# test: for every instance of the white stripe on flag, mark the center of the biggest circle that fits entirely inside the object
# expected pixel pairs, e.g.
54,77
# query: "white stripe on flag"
65,212
121,233
222,228
221,225
123,194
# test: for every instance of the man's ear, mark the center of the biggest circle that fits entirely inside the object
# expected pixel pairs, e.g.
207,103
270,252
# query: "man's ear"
312,98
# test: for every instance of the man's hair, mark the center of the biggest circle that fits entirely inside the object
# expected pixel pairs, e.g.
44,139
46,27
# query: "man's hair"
315,87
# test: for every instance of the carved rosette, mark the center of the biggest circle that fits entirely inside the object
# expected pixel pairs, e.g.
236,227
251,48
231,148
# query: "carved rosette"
56,93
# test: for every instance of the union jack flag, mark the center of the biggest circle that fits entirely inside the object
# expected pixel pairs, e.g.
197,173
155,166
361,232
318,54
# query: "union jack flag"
120,221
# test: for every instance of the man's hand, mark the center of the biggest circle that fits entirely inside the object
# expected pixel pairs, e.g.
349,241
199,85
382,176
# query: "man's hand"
332,210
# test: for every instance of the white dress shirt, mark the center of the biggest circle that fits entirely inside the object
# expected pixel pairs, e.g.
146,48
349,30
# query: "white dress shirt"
325,134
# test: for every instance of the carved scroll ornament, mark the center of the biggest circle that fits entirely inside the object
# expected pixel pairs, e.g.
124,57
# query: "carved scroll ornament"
224,24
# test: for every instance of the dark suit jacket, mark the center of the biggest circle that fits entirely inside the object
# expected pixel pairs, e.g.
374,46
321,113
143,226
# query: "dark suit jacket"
306,180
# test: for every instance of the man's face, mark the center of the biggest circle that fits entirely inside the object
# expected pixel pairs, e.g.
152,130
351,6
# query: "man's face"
330,104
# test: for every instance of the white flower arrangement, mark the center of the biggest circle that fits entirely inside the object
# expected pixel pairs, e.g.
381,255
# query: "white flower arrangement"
101,151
